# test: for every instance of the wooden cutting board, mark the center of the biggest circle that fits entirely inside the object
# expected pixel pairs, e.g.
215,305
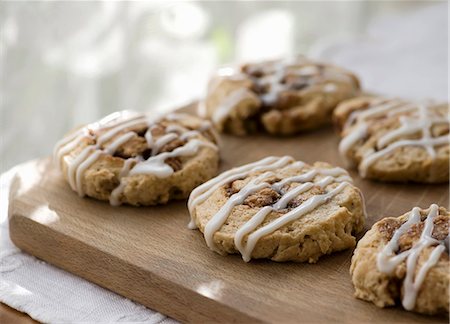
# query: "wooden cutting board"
149,255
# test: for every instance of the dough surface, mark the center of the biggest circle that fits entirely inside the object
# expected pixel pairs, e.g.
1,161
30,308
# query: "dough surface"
395,140
138,160
280,97
310,210
388,288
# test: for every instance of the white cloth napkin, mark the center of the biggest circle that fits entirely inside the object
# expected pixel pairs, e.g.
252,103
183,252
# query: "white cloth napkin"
51,295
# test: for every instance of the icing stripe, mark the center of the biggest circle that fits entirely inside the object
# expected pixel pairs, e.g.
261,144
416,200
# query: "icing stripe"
230,102
156,164
216,222
114,125
114,198
68,146
422,119
330,176
306,207
163,140
311,75
202,192
427,143
388,260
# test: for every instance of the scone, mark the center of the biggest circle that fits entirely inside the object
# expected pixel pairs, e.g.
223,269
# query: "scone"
280,209
395,140
132,158
281,97
405,258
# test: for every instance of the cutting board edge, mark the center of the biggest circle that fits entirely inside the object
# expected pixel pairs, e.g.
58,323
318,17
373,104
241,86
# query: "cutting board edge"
188,312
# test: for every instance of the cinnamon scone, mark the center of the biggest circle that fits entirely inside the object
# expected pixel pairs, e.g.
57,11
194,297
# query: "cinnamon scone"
395,140
280,209
405,259
281,97
138,159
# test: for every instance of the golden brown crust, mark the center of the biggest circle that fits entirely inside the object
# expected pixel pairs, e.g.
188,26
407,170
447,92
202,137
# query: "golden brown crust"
328,228
105,174
279,97
387,289
406,163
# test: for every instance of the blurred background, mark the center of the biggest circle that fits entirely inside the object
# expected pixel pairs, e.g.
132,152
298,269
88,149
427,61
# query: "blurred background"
67,63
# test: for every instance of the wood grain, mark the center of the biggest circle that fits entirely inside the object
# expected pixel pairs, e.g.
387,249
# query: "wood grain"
11,316
148,254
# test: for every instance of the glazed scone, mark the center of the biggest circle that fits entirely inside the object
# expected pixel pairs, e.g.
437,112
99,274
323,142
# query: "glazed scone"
395,140
281,97
405,258
280,209
135,159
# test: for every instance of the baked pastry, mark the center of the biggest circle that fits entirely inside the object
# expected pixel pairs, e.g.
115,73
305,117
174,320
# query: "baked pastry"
405,258
280,209
395,140
281,97
133,158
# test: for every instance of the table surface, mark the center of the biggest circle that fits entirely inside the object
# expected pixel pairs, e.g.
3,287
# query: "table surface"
94,245
12,316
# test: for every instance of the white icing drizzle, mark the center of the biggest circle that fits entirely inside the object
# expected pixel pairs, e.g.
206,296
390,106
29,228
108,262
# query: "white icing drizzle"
119,128
156,164
201,109
223,74
73,166
274,82
306,207
163,140
176,129
305,180
115,124
230,102
115,194
202,192
119,142
308,70
330,87
216,222
275,73
420,118
388,260
67,144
